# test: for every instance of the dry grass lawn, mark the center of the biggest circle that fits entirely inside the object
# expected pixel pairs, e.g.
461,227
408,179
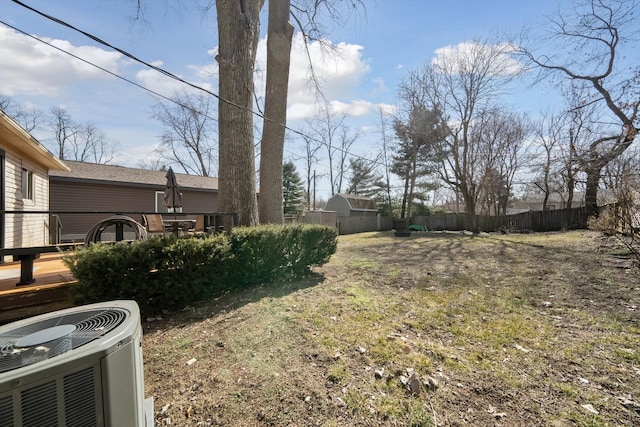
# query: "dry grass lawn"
437,329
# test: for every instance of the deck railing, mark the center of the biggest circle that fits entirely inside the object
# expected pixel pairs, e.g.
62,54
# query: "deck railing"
82,222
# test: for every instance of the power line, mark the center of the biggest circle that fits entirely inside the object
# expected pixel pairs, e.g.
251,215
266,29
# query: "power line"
151,90
127,54
170,75
105,70
153,67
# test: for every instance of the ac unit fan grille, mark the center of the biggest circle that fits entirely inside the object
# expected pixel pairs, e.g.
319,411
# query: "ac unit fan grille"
6,411
89,325
39,406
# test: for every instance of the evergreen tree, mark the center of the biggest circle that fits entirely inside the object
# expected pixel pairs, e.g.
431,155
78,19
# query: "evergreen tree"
416,155
363,180
292,190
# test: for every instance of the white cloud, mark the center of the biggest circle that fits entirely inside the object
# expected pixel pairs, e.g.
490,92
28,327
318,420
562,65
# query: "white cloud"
339,68
354,108
208,71
463,54
167,86
133,155
33,68
387,109
300,111
380,86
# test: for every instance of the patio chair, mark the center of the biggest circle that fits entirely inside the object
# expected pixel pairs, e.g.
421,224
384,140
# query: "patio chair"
154,223
199,226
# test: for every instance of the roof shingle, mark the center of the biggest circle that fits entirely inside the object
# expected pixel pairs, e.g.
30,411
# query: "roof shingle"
81,171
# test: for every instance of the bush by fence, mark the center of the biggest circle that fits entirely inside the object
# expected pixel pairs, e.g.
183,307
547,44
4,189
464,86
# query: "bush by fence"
167,273
551,220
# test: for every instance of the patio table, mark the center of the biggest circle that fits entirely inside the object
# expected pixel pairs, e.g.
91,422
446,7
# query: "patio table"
179,224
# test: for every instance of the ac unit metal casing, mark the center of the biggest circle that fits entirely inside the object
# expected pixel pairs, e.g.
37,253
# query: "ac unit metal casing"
59,382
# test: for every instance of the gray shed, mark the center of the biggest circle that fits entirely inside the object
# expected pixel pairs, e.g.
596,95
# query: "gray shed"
352,205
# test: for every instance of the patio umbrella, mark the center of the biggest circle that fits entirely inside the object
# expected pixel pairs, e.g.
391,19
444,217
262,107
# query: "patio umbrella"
172,194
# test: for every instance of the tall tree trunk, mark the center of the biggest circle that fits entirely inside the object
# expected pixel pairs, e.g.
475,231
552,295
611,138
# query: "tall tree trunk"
472,218
570,170
591,191
238,33
405,197
412,188
280,33
470,204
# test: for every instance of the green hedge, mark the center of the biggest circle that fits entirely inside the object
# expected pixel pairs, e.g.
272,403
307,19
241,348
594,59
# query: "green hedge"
167,273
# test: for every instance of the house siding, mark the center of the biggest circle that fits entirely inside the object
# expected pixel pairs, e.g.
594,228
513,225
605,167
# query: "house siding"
74,195
25,229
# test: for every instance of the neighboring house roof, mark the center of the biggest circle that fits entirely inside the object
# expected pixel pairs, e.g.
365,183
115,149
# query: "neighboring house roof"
20,141
122,175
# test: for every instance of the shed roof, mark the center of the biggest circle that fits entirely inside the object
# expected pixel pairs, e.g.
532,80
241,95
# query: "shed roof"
19,140
358,202
122,175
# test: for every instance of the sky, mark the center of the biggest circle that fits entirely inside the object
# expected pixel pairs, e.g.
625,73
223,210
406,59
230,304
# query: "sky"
378,47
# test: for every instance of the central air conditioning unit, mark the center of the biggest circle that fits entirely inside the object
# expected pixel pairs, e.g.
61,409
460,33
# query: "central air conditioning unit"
79,367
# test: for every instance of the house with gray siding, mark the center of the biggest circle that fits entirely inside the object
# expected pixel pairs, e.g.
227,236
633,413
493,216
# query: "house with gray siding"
24,168
89,187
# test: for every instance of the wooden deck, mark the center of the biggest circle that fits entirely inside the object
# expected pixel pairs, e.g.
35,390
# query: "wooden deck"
48,293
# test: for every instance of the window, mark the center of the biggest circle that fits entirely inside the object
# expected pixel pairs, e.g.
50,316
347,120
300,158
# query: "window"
27,184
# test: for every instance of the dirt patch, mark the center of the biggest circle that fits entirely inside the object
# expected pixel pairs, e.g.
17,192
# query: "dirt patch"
437,329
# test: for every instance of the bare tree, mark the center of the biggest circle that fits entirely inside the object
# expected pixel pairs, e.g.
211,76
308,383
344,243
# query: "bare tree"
64,130
329,129
501,138
188,137
29,118
346,138
548,132
7,104
90,144
462,85
70,140
312,147
622,170
595,32
80,142
152,164
569,153
385,157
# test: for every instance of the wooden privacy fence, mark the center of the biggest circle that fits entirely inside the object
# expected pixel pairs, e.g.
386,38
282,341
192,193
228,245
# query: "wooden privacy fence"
552,220
360,224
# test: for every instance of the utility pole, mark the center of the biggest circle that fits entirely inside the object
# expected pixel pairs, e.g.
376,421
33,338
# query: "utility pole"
314,189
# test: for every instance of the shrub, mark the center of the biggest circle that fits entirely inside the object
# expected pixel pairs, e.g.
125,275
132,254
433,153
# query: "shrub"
261,254
167,273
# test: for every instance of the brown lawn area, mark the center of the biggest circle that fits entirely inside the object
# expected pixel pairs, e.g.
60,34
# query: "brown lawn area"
439,329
